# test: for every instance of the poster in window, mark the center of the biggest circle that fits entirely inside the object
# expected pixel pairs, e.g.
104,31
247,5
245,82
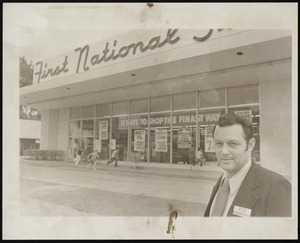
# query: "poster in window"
103,130
113,144
209,142
97,145
245,113
161,140
139,140
184,138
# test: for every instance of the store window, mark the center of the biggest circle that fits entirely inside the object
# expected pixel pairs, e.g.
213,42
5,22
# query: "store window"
184,101
88,111
88,144
212,98
74,128
160,138
139,106
87,128
162,103
74,145
139,138
184,137
75,113
102,137
206,122
119,135
248,94
120,108
103,110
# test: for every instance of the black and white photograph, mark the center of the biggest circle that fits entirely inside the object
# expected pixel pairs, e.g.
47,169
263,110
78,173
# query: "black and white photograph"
150,121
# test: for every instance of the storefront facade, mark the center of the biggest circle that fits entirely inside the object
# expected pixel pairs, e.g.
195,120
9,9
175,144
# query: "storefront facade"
157,94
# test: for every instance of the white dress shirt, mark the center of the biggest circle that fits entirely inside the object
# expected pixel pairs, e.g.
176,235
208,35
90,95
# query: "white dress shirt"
235,182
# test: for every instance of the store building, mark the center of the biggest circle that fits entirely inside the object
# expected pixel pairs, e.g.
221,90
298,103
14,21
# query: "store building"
157,94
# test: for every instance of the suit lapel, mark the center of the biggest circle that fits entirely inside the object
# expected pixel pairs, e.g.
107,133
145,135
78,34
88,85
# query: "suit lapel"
245,196
213,194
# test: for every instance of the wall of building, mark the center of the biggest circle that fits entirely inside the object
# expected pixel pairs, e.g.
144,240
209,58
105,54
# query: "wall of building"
54,129
44,129
276,117
30,129
63,130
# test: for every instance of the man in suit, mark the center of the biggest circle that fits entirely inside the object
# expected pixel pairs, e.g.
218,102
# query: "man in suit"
245,189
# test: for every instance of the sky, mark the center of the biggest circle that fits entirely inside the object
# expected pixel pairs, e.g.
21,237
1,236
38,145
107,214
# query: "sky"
44,30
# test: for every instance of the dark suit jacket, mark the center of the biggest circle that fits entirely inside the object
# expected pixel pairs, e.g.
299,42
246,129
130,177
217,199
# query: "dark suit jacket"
265,192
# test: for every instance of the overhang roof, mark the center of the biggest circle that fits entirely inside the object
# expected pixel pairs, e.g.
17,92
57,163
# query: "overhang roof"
259,62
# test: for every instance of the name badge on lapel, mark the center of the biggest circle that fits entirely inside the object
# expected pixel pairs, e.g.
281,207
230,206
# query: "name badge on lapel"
242,212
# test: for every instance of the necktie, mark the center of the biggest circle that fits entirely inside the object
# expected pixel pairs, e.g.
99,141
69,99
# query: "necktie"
221,198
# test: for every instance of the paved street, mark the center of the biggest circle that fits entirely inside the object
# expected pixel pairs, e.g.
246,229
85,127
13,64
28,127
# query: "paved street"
55,188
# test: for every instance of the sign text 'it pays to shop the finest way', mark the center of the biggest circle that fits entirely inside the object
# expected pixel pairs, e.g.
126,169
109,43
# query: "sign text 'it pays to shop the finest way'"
164,120
89,57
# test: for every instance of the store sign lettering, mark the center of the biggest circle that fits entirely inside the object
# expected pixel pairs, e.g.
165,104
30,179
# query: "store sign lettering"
45,72
109,54
86,60
165,120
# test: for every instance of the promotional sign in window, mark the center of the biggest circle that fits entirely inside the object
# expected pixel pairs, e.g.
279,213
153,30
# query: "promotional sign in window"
184,138
246,113
161,140
162,120
103,130
209,141
97,145
113,144
139,140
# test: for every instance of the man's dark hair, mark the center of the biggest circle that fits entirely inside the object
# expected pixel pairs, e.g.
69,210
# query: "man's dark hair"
231,118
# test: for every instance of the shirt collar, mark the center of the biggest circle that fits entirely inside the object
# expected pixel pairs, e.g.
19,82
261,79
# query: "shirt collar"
236,180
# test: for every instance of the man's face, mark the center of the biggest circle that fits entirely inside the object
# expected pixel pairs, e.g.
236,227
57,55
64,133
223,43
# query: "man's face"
231,148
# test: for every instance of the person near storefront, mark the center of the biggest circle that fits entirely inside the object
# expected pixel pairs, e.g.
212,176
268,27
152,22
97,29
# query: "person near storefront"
78,155
199,158
245,189
114,157
93,158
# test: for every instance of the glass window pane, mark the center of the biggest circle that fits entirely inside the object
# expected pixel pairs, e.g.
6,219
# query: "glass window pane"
207,120
243,95
103,110
74,130
139,145
160,138
88,128
161,103
120,108
88,111
88,145
184,101
120,136
212,98
75,113
102,132
139,106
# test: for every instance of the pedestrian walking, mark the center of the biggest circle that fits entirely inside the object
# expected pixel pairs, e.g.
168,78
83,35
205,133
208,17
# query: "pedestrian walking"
92,158
114,157
78,155
199,158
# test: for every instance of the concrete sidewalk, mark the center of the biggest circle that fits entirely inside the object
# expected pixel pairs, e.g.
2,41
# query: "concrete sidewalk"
209,171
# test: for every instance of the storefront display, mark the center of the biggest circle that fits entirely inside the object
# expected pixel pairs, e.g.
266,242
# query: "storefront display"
178,129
